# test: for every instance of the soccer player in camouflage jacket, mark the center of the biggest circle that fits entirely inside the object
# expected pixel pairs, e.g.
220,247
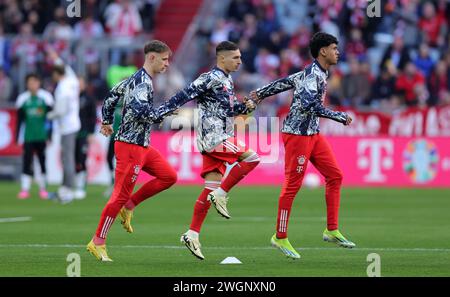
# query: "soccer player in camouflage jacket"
132,145
218,105
304,143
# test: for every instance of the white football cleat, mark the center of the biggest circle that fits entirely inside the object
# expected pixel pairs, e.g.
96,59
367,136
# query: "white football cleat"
220,203
79,194
193,245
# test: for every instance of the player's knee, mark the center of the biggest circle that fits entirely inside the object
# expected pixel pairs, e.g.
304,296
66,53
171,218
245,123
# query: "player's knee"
213,176
336,177
171,178
250,157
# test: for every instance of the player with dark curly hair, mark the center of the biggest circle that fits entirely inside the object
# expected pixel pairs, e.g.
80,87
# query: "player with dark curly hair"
303,143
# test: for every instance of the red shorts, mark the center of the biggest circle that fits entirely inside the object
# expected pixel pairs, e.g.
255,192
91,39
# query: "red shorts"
228,151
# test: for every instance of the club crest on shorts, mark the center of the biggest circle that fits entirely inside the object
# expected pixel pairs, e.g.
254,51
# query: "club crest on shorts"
301,159
136,173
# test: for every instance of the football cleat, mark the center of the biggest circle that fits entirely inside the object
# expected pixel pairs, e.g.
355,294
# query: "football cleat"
336,237
125,219
193,245
23,195
220,203
98,251
79,194
285,247
43,194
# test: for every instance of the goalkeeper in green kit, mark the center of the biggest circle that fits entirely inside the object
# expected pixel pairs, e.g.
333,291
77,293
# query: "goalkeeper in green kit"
32,107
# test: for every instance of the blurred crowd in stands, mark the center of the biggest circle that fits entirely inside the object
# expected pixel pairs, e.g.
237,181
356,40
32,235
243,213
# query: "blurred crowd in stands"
29,27
399,59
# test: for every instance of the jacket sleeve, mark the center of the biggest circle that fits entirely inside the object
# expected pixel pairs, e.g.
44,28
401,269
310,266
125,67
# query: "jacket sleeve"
61,106
196,89
111,101
240,108
275,87
312,103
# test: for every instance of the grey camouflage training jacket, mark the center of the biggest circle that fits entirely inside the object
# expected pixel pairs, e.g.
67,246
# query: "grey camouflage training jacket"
307,105
138,113
217,103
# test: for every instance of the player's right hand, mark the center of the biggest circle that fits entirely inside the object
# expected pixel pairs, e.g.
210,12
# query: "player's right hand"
254,97
348,121
249,103
106,130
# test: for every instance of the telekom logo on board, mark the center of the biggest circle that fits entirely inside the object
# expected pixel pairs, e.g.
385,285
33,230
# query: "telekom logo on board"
375,155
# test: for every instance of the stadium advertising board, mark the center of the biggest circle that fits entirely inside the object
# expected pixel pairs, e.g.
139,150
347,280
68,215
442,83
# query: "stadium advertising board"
408,149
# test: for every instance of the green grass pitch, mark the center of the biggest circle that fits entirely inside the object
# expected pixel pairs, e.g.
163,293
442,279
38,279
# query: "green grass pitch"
408,228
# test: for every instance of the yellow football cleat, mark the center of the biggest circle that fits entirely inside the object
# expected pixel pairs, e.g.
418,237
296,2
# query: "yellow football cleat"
285,247
99,251
336,237
125,219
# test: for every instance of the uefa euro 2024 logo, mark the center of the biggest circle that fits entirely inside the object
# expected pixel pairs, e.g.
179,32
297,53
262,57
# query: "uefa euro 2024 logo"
420,161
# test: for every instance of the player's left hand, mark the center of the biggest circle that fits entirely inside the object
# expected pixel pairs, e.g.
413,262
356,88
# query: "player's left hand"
106,130
249,103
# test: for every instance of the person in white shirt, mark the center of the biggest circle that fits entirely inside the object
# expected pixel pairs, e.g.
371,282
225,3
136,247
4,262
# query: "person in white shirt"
66,114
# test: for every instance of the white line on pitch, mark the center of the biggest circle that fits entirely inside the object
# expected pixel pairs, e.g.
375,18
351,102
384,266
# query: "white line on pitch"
304,219
13,220
446,250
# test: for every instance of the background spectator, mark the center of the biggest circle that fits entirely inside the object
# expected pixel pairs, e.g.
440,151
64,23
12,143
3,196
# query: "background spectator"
409,83
6,87
273,37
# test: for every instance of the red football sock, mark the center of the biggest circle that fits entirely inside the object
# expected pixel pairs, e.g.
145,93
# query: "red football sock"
202,206
98,241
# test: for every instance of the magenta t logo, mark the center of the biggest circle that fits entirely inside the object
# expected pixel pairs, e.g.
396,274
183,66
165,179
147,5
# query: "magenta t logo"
375,155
